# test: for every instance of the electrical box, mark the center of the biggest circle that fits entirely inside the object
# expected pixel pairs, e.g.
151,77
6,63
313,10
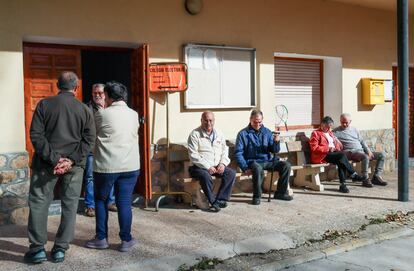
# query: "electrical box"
372,91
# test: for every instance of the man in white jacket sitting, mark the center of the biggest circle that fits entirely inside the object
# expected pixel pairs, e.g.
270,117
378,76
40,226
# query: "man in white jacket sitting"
209,156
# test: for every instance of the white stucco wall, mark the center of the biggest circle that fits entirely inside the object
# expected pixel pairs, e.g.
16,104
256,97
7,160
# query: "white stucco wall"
365,117
12,134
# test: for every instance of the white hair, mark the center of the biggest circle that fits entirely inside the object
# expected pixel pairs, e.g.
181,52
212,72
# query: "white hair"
346,115
98,85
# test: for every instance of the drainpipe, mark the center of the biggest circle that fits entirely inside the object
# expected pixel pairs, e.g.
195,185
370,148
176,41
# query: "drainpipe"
402,29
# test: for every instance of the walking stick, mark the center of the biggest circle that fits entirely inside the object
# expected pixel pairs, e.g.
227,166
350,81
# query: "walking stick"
281,116
271,177
273,169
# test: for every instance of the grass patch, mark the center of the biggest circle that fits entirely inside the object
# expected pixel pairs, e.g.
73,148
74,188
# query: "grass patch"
204,264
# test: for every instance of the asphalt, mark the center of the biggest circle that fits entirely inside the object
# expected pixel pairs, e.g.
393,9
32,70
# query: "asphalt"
395,254
178,235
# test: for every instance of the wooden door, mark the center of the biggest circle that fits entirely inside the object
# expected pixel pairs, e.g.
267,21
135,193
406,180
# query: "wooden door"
42,66
140,102
410,110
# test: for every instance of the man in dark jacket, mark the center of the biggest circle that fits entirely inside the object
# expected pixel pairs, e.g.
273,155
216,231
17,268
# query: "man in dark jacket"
62,133
254,147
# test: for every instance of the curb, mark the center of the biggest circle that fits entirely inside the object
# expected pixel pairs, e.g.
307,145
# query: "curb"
322,254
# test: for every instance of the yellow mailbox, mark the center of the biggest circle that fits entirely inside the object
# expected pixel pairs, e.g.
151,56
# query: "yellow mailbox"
372,91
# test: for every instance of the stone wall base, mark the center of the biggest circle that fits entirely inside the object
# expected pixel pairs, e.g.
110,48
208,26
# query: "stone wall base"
14,188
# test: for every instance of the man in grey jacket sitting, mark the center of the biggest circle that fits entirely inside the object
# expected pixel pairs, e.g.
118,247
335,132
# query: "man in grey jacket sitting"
357,150
209,156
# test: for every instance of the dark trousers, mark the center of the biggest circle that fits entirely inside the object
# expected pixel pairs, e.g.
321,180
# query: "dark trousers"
89,190
282,167
42,184
206,182
123,183
341,161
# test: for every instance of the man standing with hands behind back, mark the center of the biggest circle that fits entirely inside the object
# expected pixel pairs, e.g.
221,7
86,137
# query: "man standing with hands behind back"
62,133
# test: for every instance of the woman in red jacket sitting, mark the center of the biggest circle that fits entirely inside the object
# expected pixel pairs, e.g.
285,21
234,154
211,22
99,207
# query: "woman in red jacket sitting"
326,148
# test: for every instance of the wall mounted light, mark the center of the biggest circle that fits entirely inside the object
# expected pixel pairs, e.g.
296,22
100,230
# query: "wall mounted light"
193,6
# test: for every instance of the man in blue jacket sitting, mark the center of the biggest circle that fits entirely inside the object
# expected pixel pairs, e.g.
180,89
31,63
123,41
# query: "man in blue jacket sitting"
254,147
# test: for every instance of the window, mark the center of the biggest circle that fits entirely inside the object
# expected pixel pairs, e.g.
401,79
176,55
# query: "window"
220,77
299,86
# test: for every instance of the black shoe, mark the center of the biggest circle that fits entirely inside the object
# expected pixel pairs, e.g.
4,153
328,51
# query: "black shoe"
282,197
35,257
358,178
215,208
256,201
378,180
367,183
343,188
222,203
58,255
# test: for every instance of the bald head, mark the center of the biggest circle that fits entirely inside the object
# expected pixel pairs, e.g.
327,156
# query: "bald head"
207,121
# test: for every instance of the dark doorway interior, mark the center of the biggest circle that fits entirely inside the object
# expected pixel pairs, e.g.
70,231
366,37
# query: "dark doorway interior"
104,66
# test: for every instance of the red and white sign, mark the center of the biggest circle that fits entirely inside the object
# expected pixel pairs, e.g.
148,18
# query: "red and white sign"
168,77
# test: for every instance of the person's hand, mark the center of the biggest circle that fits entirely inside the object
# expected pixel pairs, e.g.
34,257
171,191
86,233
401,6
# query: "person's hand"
63,166
220,168
101,103
247,172
370,155
276,137
212,170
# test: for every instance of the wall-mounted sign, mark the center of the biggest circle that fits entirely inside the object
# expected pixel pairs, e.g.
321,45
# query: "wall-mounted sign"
168,77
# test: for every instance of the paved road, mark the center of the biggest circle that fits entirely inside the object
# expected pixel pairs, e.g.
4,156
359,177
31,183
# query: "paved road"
396,255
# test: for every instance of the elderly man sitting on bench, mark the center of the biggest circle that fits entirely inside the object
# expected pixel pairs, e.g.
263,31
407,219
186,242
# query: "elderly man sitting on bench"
209,155
356,149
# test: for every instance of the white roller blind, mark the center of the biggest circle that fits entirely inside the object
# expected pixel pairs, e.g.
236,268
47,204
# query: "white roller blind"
298,86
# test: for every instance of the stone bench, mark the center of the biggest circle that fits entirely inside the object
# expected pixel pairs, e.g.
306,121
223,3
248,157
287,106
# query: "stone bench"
243,183
309,174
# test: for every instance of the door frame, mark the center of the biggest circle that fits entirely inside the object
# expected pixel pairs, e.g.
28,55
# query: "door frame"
139,93
395,105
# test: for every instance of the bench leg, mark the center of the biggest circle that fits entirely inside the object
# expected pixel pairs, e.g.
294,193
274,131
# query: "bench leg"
314,183
199,199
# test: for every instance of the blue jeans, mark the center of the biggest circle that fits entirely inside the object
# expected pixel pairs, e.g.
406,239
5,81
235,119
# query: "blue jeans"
89,193
124,183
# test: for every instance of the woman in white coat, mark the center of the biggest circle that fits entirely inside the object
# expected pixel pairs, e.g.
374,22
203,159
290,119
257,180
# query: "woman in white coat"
116,164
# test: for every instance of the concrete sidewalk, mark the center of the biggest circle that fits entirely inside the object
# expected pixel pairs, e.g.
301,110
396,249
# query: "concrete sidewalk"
176,236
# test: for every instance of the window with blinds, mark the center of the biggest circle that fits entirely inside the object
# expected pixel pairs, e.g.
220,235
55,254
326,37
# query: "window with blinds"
299,86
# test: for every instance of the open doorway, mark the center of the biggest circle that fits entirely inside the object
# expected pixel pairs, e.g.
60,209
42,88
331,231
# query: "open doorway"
129,66
99,66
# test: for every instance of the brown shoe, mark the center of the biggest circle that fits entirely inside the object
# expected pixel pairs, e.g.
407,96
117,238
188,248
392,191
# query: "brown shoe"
378,180
90,212
367,183
112,207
